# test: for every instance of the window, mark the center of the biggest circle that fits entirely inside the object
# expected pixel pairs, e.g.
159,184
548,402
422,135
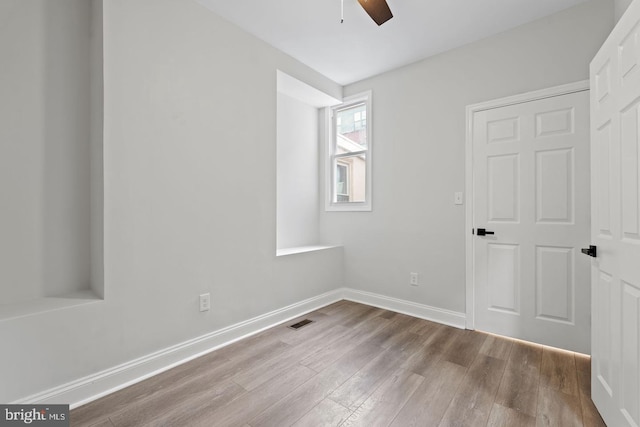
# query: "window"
342,181
349,156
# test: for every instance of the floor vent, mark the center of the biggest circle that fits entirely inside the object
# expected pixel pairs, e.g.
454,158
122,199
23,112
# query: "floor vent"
301,323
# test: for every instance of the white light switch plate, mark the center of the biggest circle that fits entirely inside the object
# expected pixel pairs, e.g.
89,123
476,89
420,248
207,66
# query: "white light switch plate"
457,198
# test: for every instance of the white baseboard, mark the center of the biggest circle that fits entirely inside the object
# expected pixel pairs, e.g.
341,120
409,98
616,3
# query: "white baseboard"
447,317
92,387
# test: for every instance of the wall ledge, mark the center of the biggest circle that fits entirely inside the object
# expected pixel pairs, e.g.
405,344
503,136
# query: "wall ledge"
303,249
92,387
47,304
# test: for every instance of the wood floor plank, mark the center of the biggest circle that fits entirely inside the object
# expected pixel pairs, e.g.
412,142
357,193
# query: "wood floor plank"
558,371
583,367
352,311
519,386
590,415
364,316
526,354
519,389
421,361
247,347
424,327
325,414
104,423
388,314
386,337
431,350
301,400
190,394
245,407
295,405
556,408
336,307
331,352
372,325
465,347
357,388
429,402
382,406
113,403
507,417
406,343
258,373
440,341
320,326
474,399
498,347
234,367
90,420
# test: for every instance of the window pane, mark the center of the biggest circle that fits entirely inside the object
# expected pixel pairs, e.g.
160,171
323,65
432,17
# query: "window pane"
351,179
351,129
342,182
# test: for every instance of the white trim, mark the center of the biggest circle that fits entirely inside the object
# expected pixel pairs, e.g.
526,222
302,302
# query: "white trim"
530,96
92,387
440,315
469,189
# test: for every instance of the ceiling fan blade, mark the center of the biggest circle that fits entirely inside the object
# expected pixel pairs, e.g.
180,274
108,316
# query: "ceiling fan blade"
378,10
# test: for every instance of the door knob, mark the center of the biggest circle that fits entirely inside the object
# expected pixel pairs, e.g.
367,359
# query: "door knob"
591,251
483,232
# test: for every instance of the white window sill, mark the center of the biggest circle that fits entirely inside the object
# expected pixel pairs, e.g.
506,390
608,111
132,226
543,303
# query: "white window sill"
46,304
348,207
303,249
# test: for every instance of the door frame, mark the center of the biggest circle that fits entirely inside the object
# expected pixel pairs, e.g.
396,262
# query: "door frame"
565,89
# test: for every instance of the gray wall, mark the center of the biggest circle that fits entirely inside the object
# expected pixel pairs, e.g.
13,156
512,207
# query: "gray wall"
97,148
187,98
619,7
45,154
419,140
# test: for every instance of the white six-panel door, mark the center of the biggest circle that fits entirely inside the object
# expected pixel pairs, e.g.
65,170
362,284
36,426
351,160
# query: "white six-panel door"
531,188
615,123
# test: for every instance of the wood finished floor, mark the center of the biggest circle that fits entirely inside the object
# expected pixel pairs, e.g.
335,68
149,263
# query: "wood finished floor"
358,365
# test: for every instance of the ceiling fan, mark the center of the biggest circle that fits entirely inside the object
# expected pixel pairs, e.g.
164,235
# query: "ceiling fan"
378,10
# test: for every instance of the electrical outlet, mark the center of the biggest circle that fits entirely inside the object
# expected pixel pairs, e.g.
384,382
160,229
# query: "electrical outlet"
413,279
205,302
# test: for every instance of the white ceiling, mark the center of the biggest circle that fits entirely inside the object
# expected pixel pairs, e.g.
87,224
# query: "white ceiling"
310,30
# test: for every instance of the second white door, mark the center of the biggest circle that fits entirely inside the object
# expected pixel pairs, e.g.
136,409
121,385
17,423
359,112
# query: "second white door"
531,189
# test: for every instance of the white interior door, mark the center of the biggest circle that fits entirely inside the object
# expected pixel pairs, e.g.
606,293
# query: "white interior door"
531,188
615,174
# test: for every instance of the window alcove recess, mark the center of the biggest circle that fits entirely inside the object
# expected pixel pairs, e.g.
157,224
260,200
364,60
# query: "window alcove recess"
51,171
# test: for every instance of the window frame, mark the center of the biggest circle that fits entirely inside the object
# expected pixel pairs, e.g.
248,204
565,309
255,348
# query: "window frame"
347,178
331,203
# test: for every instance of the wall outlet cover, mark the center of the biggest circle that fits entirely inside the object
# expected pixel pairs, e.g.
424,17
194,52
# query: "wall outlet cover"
205,302
413,279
